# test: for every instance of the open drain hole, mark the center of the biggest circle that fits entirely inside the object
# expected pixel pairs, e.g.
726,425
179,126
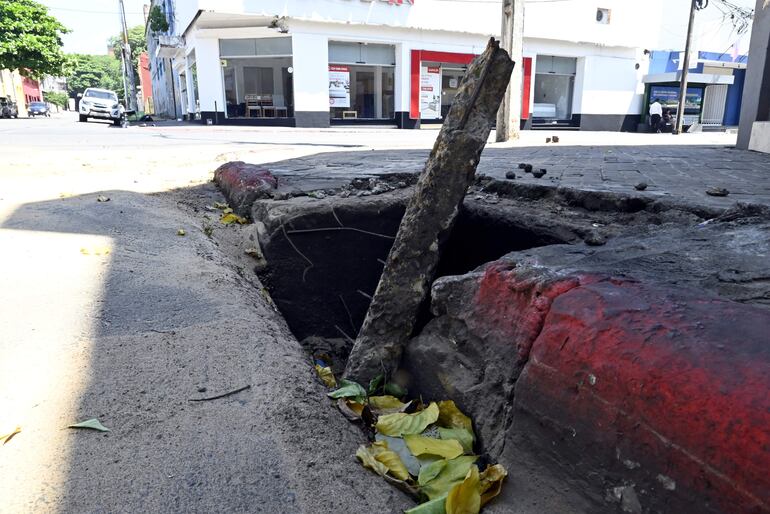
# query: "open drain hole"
323,267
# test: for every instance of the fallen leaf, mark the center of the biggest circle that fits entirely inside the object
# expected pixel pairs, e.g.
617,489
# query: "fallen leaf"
436,506
385,402
180,232
96,250
93,424
464,498
491,482
350,409
431,471
7,437
348,389
326,375
230,218
102,198
399,446
451,417
453,473
394,389
420,445
220,205
382,460
398,424
375,383
462,435
227,210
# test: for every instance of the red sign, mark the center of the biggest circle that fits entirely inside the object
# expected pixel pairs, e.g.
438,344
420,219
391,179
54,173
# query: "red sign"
334,67
434,69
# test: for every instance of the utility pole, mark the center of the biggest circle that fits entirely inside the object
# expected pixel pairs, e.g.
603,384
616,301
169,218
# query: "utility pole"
685,70
129,86
511,40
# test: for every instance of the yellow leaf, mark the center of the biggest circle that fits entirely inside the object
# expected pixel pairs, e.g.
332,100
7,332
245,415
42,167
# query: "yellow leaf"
382,460
7,437
398,424
491,482
385,402
368,461
464,498
96,250
453,473
181,232
230,218
326,375
420,445
451,417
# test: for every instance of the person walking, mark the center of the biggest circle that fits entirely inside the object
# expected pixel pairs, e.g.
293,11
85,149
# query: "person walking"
656,112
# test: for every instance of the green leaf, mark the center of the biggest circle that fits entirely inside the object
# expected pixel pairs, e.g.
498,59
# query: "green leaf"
452,474
436,506
398,424
92,424
420,445
375,383
348,389
462,435
394,390
431,471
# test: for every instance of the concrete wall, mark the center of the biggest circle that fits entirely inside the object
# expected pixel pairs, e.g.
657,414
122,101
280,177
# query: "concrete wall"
756,99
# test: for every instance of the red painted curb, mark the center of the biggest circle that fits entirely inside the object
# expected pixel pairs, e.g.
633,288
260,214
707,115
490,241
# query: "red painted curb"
671,383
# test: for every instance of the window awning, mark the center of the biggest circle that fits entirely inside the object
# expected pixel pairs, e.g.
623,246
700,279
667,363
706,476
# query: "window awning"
692,78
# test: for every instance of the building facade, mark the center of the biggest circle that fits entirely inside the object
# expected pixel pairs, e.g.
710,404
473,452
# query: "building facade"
754,131
315,63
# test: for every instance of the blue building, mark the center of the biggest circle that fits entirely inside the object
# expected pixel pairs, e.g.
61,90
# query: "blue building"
714,86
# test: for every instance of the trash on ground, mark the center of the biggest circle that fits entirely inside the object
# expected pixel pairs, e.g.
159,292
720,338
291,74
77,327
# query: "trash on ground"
102,198
181,232
223,395
92,424
7,437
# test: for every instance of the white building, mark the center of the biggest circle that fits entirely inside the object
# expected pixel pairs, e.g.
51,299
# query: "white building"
309,63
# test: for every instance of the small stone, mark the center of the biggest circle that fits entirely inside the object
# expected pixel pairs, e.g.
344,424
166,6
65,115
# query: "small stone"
539,173
595,239
528,168
510,175
201,389
641,186
717,191
522,165
555,139
548,140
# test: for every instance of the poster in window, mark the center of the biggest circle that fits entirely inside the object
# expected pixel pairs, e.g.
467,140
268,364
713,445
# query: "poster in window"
339,86
430,92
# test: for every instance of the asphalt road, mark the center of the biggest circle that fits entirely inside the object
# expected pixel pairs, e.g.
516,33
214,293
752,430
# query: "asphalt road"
105,312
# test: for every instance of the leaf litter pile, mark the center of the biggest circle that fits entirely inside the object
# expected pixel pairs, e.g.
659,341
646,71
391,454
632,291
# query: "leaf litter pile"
424,450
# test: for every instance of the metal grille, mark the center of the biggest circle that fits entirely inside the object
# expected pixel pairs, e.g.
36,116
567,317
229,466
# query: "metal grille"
714,101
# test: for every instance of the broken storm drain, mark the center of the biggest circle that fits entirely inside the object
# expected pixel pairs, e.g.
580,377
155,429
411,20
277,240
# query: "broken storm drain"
324,258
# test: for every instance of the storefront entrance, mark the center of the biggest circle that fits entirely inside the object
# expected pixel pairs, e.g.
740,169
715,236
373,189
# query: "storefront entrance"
256,75
554,90
361,82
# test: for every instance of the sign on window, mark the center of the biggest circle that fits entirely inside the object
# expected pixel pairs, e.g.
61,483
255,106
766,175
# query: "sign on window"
339,86
430,92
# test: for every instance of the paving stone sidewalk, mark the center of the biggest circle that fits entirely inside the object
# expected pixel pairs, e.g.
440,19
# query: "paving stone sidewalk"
680,173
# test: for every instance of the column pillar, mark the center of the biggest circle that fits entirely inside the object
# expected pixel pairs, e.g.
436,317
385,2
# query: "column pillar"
311,79
402,87
211,93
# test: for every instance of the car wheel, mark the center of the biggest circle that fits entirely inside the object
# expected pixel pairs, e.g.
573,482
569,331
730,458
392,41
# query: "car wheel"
117,122
83,118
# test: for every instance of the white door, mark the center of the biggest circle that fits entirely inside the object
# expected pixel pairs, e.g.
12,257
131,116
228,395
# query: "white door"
714,100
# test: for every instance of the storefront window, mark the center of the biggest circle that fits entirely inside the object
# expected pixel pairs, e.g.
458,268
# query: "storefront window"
450,84
554,86
361,81
256,77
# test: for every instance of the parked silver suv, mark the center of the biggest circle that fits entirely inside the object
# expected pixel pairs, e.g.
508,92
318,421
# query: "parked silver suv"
101,104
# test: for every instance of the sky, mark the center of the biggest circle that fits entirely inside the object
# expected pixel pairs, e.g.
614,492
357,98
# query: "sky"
92,22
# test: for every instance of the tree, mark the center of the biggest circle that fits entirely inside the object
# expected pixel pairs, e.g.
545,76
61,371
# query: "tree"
55,98
138,42
84,71
158,21
30,39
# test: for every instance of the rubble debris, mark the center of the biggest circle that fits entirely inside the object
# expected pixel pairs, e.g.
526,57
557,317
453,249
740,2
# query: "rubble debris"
641,186
528,168
539,173
555,139
430,215
547,140
510,175
522,165
717,191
